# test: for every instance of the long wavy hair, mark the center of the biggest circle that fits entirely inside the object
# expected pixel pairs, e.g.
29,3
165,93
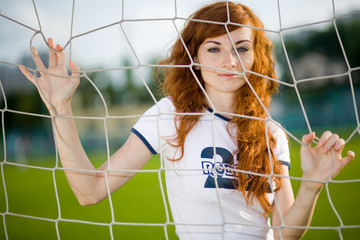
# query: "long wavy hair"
182,83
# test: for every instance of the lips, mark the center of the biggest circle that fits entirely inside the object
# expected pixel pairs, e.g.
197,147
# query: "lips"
228,75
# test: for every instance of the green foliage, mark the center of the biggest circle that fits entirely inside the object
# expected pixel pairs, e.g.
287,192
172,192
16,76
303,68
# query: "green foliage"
329,95
325,42
27,102
350,35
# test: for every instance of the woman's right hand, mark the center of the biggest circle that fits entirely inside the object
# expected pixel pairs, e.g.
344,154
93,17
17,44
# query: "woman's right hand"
55,86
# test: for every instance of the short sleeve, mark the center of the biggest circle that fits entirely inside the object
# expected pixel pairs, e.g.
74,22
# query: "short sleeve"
154,124
281,150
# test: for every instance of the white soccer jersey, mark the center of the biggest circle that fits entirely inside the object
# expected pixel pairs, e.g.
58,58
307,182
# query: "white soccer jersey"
200,209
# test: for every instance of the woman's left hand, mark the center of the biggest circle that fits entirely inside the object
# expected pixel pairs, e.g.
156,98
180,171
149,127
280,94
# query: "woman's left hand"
324,161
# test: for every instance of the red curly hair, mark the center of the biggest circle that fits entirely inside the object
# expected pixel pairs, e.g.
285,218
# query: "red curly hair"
188,97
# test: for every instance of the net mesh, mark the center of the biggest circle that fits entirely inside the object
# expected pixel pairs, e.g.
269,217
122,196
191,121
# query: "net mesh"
109,117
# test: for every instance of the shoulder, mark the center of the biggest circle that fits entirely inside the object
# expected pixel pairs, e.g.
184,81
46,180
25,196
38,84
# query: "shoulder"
281,149
156,122
277,130
164,105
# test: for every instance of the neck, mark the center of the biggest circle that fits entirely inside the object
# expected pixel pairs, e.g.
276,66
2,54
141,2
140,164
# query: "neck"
223,103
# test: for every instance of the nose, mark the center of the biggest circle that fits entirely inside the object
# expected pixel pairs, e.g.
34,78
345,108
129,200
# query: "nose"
230,59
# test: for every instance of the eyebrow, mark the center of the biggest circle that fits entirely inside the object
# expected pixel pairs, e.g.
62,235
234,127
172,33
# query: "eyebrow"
238,42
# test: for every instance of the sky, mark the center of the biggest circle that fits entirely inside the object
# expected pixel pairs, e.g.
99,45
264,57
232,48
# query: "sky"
144,25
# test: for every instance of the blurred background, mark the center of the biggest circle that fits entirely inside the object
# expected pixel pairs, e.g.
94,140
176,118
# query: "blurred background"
117,43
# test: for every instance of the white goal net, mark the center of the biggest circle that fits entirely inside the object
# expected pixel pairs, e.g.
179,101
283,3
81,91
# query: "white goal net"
118,45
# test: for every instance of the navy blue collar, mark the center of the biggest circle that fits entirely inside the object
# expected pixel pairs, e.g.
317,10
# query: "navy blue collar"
219,115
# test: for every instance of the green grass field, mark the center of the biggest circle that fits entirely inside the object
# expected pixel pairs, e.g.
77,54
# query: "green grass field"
31,192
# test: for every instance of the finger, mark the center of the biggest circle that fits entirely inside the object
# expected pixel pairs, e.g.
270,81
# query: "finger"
339,145
52,53
74,71
324,138
330,143
74,68
60,55
37,59
308,138
27,74
346,160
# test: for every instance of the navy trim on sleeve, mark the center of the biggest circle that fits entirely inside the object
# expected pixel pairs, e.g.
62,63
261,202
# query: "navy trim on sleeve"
285,163
147,144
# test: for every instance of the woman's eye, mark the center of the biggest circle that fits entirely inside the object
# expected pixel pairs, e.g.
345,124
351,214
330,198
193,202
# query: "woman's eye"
213,50
242,49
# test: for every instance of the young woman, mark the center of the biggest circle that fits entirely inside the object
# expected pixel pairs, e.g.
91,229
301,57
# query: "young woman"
226,172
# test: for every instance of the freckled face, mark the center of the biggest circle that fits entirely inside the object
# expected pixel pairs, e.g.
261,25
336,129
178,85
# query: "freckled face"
218,52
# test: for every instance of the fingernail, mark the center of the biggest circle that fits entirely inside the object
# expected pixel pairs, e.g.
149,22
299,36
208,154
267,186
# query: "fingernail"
337,146
352,153
325,150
